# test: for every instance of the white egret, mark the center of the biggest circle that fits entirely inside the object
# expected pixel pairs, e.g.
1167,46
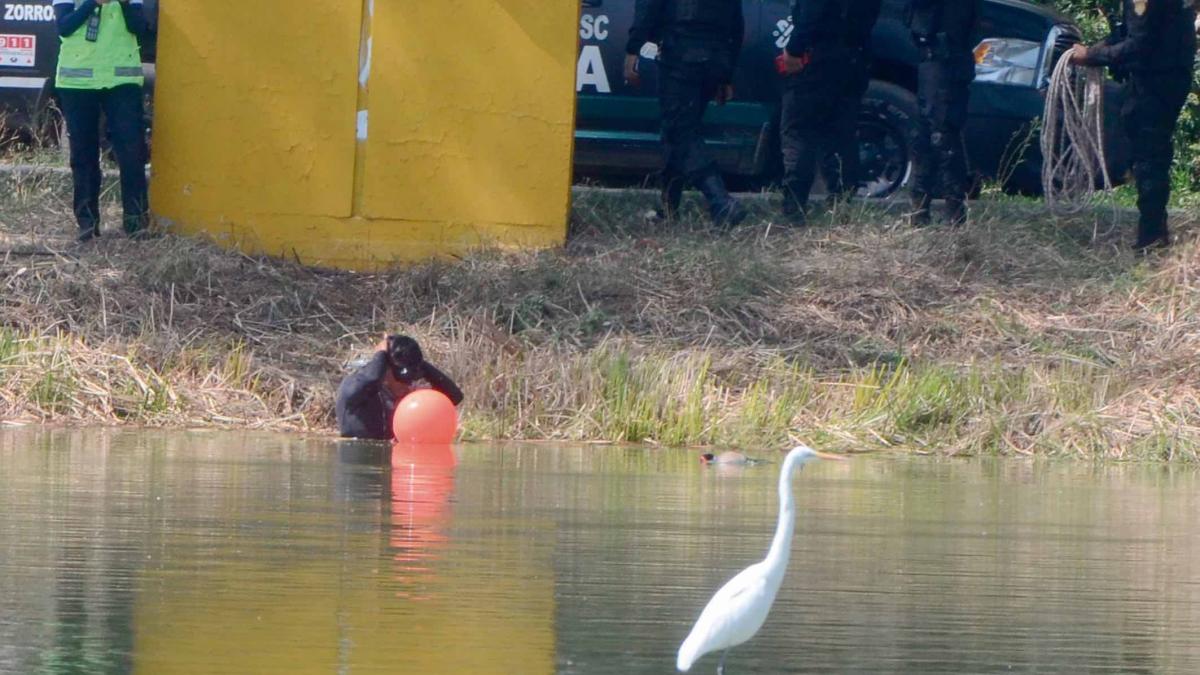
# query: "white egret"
738,610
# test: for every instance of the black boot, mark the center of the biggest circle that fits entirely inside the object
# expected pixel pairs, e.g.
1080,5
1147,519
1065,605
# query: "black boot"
671,197
1151,236
918,215
795,209
722,207
137,225
88,233
956,211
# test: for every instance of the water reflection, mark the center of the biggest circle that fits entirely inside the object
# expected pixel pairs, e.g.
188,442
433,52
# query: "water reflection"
422,483
236,553
233,553
412,486
92,620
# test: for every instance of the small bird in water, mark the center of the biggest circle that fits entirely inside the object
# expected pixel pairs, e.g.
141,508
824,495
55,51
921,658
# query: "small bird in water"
728,457
738,610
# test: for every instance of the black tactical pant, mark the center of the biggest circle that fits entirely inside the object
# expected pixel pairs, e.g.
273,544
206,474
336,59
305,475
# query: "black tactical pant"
818,126
842,166
938,148
1152,105
685,89
123,108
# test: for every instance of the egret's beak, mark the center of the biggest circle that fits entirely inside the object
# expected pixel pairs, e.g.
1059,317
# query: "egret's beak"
825,455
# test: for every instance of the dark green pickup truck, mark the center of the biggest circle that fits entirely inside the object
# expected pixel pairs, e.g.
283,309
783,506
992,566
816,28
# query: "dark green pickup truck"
1019,43
617,127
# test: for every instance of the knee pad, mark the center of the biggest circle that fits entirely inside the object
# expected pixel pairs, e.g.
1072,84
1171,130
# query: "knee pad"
944,143
1152,187
1152,170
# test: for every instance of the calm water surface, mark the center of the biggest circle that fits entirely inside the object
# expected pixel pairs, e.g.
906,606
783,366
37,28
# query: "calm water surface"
249,553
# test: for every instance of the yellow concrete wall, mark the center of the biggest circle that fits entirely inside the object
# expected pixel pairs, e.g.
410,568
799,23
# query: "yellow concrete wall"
469,107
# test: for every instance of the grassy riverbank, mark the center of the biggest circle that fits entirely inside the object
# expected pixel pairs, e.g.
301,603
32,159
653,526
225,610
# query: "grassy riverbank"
1017,335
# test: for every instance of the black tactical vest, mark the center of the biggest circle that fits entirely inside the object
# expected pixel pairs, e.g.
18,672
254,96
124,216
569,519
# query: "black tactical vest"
715,14
1175,48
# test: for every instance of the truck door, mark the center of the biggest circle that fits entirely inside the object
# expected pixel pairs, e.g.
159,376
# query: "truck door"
617,125
28,52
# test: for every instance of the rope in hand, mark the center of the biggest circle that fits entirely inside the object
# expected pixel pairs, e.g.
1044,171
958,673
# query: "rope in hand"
1073,138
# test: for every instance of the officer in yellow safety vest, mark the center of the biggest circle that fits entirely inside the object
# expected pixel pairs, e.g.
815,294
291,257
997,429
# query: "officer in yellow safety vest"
100,69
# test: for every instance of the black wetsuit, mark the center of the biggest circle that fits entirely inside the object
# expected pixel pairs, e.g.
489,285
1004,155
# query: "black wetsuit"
821,103
365,406
700,42
944,31
1155,48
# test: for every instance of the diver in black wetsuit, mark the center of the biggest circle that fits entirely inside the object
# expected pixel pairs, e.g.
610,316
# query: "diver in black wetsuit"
367,398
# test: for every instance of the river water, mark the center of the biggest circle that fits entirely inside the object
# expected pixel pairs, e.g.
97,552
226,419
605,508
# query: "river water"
215,552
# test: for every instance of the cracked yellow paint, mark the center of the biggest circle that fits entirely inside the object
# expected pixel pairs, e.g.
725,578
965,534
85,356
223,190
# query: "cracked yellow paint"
470,116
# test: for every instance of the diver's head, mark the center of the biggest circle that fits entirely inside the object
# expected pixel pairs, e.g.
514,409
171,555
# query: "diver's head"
405,358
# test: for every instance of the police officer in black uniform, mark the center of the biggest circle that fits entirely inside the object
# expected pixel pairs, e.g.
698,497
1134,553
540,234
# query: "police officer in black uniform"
1156,47
943,31
827,64
699,42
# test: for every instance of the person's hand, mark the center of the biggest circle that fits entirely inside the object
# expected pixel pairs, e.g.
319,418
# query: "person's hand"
1079,54
724,94
632,76
790,65
382,346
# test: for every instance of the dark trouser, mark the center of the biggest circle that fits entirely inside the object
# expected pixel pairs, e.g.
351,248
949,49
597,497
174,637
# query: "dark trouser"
122,106
685,88
1153,102
819,125
842,166
938,148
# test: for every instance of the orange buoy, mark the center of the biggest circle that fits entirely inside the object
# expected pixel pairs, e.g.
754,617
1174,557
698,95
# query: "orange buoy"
425,417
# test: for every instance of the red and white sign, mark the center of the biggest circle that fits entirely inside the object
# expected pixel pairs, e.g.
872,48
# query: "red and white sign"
18,50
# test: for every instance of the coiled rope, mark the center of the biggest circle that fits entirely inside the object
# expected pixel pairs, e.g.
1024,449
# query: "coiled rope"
1073,138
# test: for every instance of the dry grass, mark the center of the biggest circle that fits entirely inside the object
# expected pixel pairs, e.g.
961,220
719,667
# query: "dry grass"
1016,335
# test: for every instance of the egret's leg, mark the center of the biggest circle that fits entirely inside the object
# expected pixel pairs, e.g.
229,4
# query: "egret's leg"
721,665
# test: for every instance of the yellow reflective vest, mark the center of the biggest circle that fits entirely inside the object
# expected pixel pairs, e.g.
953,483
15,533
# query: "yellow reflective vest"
113,59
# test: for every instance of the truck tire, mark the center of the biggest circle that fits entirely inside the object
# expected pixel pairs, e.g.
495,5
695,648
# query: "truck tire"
888,117
886,123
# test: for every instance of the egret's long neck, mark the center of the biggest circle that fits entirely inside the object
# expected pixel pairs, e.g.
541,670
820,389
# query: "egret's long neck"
781,545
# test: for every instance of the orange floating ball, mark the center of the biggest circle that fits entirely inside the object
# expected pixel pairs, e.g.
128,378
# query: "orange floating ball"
425,417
